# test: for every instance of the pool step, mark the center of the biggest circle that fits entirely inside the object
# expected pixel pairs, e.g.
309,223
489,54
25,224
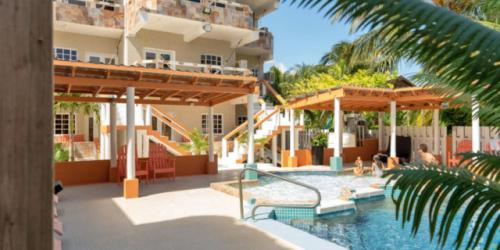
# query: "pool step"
337,205
369,192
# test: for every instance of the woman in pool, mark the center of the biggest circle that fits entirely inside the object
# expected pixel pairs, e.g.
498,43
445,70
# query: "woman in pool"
377,166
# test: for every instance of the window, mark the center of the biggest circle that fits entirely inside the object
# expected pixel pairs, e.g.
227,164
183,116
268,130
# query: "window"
211,60
255,72
102,59
65,54
158,55
217,120
220,5
241,120
61,124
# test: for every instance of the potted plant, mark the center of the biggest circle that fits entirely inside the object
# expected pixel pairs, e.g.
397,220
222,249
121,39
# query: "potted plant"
318,144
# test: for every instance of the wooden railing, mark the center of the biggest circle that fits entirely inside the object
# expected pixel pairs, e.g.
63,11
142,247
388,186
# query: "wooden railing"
242,126
171,122
275,93
196,67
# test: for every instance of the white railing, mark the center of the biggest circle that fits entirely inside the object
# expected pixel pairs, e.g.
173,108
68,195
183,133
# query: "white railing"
196,67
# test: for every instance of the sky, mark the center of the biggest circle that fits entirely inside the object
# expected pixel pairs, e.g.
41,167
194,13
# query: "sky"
304,36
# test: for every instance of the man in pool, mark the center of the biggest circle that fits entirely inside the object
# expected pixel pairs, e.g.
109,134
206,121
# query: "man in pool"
424,157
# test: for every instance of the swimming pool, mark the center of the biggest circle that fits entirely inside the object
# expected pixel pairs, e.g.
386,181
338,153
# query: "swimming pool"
372,225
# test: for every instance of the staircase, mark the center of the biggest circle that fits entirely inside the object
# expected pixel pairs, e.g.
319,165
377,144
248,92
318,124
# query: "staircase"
156,136
270,122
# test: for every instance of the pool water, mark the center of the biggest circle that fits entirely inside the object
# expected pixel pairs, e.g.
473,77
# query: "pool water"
373,226
328,183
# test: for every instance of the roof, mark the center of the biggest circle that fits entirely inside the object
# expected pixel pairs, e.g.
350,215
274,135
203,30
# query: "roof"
370,99
103,83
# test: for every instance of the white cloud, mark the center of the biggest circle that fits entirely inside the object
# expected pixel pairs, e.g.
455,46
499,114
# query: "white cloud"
281,66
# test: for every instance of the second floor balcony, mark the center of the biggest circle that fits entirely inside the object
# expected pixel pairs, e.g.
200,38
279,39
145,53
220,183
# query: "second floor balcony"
263,47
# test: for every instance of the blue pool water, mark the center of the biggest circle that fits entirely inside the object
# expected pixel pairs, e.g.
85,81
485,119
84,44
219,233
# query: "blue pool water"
373,226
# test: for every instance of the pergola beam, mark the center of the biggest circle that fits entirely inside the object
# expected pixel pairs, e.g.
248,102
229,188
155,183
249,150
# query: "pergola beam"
122,100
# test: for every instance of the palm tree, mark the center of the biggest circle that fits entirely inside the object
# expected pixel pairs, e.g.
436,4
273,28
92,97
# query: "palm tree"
198,144
465,56
73,108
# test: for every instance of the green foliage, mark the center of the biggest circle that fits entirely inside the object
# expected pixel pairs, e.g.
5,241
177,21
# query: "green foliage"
199,142
60,154
320,81
320,140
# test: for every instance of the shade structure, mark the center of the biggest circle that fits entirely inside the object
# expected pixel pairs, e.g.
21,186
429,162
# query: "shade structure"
99,82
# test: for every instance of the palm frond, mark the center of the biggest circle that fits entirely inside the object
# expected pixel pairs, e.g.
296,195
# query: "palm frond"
463,53
467,194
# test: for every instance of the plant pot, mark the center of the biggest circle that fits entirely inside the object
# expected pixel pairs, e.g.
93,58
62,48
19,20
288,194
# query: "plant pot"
317,155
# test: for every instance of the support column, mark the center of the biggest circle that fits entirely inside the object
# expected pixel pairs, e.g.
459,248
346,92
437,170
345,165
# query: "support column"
113,173
131,184
274,149
381,130
292,159
336,162
476,129
212,164
393,159
224,149
435,131
250,175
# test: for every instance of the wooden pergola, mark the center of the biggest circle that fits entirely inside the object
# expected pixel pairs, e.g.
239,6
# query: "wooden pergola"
359,99
103,83
370,99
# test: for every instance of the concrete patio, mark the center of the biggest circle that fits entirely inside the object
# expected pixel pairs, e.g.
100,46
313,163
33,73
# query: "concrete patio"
185,214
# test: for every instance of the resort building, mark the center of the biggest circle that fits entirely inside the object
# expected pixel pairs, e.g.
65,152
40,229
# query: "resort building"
198,36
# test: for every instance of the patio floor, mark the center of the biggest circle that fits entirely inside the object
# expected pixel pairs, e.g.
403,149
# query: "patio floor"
185,214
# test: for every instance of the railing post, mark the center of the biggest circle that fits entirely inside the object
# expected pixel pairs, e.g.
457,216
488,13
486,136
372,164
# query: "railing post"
224,148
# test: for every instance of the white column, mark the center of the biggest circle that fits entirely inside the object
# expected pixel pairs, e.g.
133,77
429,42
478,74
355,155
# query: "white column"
292,133
337,127
210,133
435,130
112,134
476,129
274,149
148,115
130,133
381,129
393,129
250,131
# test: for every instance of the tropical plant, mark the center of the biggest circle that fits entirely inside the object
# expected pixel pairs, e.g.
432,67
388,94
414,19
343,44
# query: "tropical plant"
72,108
465,56
320,140
198,144
60,154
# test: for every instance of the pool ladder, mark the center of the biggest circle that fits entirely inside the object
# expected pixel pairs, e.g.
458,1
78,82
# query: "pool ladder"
313,205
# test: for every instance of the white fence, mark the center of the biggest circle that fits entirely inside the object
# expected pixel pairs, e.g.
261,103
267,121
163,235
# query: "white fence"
490,138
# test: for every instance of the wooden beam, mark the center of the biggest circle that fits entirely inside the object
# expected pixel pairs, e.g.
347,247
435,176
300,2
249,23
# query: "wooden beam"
97,91
149,93
124,100
92,82
26,166
170,95
224,99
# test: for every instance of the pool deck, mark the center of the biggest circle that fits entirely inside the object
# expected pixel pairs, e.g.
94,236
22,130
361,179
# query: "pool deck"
185,214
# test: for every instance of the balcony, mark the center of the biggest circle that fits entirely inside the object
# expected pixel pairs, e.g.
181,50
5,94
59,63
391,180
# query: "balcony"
196,67
264,46
219,20
90,17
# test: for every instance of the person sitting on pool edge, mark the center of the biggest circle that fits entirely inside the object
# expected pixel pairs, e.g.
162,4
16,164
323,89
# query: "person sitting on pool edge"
424,157
358,167
377,166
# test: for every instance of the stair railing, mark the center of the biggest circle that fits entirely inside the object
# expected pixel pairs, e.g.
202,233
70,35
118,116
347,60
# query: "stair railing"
171,122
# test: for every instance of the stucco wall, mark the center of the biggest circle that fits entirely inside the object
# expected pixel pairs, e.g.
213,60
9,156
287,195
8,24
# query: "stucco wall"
191,116
85,44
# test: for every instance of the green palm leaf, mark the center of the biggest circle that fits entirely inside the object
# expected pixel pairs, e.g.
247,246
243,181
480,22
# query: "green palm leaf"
465,192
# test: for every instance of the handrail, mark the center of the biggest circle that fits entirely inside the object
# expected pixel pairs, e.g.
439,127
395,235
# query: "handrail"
313,205
275,93
242,126
267,117
170,121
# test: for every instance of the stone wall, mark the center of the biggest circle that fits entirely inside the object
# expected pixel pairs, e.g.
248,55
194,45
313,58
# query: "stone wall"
87,15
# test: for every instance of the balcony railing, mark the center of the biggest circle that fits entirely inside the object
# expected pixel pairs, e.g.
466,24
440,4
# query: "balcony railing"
216,12
265,42
196,67
103,13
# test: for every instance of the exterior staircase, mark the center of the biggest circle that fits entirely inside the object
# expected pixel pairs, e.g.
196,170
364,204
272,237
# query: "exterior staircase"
156,136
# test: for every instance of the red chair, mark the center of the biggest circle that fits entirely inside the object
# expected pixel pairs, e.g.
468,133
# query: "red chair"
140,171
159,162
462,147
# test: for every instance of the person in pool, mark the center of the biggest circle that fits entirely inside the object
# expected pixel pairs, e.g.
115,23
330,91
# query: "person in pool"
424,157
377,166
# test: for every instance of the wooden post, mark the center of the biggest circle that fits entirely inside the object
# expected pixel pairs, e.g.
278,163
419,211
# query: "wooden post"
27,125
